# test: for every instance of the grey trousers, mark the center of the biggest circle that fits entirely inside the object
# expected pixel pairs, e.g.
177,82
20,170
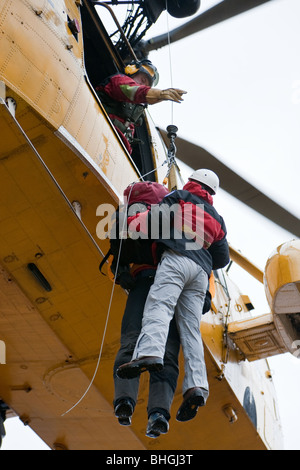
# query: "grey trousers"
179,289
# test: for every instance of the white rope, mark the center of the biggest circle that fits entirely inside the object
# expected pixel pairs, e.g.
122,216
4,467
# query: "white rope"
107,316
170,61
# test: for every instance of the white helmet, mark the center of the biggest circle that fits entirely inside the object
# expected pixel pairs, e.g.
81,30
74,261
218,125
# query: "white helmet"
207,177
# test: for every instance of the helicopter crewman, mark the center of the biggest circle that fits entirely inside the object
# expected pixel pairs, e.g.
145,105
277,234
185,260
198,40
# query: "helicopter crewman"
126,96
195,245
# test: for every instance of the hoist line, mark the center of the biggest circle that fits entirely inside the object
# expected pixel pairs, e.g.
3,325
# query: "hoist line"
170,61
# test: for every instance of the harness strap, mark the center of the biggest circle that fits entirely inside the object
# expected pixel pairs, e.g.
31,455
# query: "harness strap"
108,254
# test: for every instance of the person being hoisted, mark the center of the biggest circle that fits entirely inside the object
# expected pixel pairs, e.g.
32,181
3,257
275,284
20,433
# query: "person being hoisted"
195,244
125,97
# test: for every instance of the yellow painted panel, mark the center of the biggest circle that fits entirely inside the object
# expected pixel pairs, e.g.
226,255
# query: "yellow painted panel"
34,60
51,330
37,66
38,360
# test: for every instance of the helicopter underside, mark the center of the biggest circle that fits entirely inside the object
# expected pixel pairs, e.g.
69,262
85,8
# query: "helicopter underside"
53,331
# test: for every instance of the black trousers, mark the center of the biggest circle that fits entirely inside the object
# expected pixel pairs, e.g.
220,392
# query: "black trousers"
162,384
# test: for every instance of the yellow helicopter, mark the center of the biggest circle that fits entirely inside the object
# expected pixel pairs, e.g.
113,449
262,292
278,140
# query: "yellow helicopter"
60,158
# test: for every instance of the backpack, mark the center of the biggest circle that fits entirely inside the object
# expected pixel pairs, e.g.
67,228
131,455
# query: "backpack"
138,251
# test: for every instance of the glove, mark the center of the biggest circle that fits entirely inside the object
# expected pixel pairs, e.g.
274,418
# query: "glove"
126,281
170,94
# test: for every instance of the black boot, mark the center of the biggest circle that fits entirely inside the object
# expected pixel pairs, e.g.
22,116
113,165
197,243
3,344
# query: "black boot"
123,411
157,425
192,399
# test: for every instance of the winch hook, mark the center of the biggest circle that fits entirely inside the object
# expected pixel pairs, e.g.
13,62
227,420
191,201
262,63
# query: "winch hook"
172,134
172,165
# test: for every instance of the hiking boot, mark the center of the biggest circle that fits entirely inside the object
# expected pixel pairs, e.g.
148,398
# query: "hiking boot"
157,425
123,411
192,399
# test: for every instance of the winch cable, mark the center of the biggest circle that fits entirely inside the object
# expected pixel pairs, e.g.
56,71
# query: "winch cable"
172,129
170,61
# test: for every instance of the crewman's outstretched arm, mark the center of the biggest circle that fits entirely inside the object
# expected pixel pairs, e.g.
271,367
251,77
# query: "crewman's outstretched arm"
170,94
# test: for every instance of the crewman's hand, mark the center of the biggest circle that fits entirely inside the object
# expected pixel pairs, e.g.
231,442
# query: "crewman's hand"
170,94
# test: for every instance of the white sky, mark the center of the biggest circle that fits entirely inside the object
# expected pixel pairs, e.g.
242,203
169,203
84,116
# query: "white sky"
243,105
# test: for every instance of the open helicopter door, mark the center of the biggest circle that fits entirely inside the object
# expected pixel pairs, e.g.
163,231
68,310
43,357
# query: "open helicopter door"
99,49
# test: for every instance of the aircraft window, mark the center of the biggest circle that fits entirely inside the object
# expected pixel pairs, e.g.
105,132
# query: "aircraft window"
250,406
295,321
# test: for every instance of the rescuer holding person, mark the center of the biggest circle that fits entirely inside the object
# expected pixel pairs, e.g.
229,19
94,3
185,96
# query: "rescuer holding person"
196,244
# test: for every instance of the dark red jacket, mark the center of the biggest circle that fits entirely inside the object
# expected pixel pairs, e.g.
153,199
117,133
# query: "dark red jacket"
193,227
124,89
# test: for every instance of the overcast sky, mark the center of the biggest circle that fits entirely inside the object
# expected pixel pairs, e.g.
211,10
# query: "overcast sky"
243,106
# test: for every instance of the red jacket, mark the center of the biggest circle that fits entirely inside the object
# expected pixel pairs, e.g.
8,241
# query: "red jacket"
196,230
124,89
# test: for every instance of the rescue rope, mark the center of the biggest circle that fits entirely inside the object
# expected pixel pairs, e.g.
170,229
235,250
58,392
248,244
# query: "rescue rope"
100,353
94,242
107,316
170,61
